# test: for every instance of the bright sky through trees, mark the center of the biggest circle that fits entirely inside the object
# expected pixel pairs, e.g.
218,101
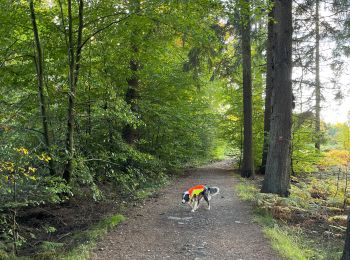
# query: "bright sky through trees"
335,102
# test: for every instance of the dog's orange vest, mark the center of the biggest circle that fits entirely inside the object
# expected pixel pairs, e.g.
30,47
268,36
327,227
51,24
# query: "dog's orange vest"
196,190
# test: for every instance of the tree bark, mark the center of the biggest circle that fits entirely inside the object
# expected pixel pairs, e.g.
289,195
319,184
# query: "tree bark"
317,79
269,83
74,66
278,165
40,77
248,161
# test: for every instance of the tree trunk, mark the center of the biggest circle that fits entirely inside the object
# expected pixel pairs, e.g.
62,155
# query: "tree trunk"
248,161
40,77
277,178
317,80
268,90
346,251
74,66
130,134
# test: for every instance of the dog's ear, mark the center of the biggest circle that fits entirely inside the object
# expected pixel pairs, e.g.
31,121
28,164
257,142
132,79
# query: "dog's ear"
186,196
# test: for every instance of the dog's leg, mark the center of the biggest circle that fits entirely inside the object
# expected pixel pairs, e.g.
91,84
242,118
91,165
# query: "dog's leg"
205,195
195,201
195,206
191,203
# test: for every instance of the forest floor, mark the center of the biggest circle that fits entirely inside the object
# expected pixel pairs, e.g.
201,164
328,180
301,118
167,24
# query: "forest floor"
163,228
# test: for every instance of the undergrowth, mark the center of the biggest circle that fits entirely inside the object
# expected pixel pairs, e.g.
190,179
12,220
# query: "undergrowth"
288,223
85,241
79,246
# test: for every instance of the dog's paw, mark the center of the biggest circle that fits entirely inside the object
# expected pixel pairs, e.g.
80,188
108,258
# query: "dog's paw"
209,208
192,210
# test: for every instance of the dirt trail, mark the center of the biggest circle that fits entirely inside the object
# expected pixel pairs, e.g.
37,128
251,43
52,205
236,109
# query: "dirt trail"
166,229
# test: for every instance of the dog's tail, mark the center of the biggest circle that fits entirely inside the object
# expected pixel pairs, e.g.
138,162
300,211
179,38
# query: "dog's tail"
213,191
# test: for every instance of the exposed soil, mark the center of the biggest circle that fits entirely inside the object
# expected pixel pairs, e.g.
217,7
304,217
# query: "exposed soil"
163,228
71,217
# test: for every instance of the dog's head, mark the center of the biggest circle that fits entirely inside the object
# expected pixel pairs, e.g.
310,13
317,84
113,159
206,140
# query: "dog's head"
185,197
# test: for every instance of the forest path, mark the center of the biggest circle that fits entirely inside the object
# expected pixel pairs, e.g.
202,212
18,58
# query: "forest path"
166,229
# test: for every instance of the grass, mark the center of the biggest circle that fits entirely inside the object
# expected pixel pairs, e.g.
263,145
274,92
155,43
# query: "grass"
288,240
288,245
246,191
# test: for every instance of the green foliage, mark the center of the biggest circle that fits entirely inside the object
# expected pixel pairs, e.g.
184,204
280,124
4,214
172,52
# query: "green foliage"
176,116
232,117
187,107
305,156
343,135
25,181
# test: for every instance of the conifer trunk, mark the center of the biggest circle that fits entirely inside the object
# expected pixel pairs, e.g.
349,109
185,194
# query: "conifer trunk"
317,80
248,161
268,90
278,166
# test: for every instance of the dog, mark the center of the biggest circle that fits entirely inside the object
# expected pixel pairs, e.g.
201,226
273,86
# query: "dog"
195,194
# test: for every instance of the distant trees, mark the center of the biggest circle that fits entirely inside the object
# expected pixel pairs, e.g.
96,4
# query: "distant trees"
279,154
343,136
314,25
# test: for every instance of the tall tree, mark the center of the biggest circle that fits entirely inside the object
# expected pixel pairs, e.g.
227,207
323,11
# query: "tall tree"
248,161
317,77
40,76
277,177
130,134
74,66
269,83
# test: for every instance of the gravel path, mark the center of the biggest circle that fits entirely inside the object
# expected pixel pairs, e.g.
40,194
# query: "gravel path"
165,229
